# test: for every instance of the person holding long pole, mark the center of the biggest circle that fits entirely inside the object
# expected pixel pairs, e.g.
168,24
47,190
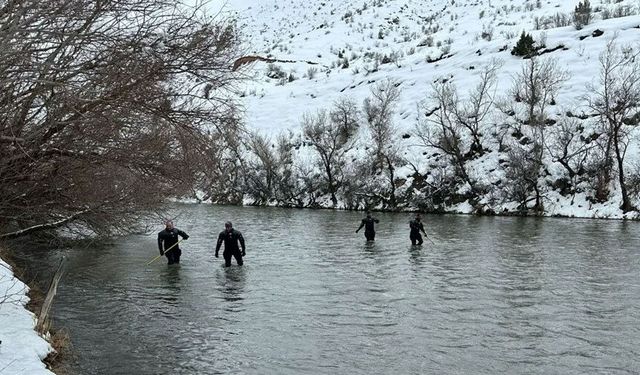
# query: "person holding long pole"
168,242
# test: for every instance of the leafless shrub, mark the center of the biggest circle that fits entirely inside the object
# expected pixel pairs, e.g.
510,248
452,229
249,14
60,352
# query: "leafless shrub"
522,175
622,11
275,72
332,135
487,32
9,285
571,147
456,127
633,181
378,109
560,20
311,72
568,145
262,169
536,86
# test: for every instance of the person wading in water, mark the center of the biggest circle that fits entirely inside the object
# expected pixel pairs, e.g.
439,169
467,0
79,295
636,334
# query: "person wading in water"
416,227
168,242
368,224
231,237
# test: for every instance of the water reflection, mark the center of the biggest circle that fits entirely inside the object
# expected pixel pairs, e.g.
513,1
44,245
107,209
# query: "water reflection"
171,286
416,256
232,281
369,249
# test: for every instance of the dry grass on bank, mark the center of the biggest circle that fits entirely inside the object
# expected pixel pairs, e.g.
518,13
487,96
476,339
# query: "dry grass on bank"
61,342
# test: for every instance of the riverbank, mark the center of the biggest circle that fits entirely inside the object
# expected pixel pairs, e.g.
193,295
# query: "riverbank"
22,349
555,205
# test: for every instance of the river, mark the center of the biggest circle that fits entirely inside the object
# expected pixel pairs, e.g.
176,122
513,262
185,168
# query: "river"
491,295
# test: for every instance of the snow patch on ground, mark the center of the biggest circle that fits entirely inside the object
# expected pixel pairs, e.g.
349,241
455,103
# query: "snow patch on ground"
22,349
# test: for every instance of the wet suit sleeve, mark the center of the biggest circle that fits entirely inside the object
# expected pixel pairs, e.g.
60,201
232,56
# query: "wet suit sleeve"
160,244
376,220
361,225
241,239
220,239
183,234
422,229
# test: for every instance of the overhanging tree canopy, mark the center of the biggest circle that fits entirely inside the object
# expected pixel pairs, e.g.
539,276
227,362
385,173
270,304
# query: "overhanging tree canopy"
107,107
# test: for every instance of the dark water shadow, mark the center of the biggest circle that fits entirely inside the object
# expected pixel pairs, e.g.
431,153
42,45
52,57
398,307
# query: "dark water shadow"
232,281
370,249
416,254
171,285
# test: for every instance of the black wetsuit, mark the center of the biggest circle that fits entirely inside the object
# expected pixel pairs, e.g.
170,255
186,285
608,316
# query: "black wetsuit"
231,239
415,236
170,238
369,231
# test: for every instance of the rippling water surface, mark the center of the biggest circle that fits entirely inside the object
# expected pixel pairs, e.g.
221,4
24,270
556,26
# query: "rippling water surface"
491,296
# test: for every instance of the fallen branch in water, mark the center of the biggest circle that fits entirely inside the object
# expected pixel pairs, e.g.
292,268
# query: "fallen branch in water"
44,323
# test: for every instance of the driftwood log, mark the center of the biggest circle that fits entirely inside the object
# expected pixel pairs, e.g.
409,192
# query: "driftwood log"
44,322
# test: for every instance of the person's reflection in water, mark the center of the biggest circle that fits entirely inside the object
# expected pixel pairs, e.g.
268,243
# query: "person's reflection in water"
171,285
233,282
370,249
416,256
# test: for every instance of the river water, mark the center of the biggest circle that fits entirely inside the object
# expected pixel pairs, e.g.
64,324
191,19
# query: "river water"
490,296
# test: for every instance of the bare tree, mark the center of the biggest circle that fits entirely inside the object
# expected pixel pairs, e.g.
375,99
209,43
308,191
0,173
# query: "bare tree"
332,136
272,173
261,173
522,174
442,131
102,116
379,109
220,175
386,154
568,145
616,100
534,88
291,182
474,111
455,126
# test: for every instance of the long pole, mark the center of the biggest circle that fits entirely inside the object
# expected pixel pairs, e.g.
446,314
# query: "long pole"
166,251
425,234
429,239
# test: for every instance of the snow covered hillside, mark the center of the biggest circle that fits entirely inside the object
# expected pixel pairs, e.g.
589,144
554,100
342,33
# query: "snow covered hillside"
436,53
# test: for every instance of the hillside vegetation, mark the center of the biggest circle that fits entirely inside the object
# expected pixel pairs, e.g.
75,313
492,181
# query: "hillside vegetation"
445,106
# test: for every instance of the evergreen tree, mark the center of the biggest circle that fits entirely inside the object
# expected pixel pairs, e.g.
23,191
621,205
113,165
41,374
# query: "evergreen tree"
525,46
582,14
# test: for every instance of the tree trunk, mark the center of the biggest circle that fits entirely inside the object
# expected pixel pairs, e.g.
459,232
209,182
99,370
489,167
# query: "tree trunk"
392,193
332,188
626,202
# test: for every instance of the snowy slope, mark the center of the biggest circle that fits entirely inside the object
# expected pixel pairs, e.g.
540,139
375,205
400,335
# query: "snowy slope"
412,33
